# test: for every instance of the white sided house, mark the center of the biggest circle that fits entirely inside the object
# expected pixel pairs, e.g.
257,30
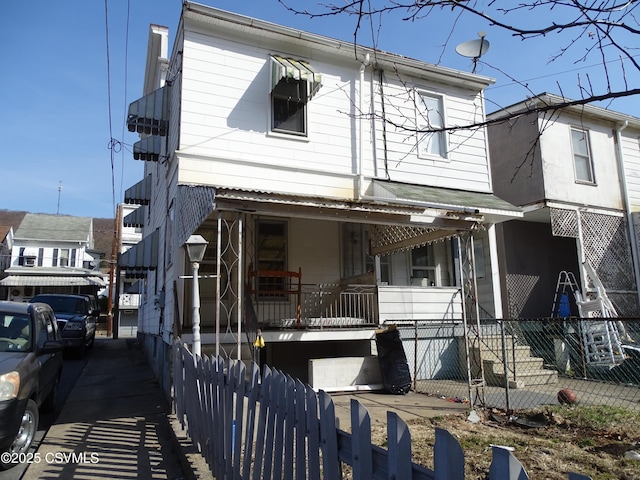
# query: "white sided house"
576,173
50,254
332,196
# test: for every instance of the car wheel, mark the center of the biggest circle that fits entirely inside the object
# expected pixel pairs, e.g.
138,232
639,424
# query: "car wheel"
26,433
49,403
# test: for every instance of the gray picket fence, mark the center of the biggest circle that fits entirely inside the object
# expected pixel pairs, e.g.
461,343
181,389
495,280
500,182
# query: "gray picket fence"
252,427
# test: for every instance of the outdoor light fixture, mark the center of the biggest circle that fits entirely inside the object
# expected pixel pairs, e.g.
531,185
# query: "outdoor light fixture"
196,246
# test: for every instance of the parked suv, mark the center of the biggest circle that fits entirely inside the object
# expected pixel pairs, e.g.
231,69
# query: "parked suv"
77,317
30,369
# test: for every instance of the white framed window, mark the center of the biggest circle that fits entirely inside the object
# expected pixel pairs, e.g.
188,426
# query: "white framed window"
288,109
582,161
432,265
430,115
294,82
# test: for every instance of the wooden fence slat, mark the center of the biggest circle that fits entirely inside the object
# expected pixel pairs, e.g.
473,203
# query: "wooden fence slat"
216,414
504,466
301,430
252,400
275,428
238,426
289,427
227,405
265,395
207,432
361,442
448,457
329,438
399,440
217,372
313,434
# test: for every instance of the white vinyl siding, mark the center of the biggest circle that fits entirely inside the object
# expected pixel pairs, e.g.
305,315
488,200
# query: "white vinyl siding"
225,128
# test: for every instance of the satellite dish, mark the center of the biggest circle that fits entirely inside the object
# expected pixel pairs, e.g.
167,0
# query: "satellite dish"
474,49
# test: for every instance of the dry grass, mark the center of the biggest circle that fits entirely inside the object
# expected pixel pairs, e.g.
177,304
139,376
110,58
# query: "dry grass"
590,440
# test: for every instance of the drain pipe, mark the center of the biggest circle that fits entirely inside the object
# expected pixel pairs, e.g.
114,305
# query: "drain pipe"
363,67
627,206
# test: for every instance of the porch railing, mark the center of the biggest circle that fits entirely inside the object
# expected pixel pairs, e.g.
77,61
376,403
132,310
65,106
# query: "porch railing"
321,306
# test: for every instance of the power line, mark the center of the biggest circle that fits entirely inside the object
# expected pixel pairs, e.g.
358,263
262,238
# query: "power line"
111,139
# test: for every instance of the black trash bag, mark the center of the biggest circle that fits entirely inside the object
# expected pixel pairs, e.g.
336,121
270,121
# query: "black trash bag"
393,361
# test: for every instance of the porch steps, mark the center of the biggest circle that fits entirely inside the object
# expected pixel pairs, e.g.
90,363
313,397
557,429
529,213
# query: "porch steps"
524,369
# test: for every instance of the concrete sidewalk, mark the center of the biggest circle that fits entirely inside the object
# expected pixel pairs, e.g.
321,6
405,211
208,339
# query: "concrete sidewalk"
114,424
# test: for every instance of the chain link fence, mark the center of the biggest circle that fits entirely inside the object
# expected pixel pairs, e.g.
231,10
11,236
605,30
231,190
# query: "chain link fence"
526,362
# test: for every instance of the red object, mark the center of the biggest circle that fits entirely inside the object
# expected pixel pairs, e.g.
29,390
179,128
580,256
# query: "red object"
566,396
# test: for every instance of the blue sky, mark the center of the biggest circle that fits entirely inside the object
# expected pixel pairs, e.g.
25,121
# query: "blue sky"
61,101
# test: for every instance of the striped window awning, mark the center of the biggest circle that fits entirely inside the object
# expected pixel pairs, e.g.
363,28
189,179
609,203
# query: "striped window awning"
140,193
135,218
140,258
148,149
150,114
287,70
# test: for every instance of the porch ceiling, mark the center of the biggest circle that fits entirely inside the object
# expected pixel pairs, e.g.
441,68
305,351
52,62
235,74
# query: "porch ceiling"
370,212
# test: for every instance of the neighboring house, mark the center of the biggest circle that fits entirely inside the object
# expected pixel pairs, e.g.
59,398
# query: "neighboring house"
50,255
576,174
298,158
6,242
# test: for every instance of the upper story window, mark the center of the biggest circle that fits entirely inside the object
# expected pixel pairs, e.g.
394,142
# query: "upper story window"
293,84
582,161
430,115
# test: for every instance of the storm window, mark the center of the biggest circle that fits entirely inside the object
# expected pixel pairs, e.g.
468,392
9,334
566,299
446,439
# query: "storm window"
430,116
582,161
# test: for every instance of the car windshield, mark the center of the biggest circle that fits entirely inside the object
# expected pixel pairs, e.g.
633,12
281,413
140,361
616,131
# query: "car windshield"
15,333
64,304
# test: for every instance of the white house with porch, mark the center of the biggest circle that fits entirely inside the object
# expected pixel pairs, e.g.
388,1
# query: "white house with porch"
329,182
51,254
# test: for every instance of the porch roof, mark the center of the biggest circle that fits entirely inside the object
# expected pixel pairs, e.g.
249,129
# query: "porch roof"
493,208
52,281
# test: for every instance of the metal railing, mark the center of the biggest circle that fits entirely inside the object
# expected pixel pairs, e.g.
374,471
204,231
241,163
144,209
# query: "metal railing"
527,362
321,306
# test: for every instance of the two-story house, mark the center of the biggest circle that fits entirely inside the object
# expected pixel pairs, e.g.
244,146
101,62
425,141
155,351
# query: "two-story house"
575,172
329,182
50,254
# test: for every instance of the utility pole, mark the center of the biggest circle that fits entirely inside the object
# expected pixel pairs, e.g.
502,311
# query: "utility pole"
115,245
59,190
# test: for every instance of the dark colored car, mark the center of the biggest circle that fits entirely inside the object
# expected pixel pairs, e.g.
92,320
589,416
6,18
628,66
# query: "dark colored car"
30,369
77,317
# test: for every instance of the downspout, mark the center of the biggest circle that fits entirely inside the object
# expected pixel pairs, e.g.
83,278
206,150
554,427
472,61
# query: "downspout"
627,206
363,67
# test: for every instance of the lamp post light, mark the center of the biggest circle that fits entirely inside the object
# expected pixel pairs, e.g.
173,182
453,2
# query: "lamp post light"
196,246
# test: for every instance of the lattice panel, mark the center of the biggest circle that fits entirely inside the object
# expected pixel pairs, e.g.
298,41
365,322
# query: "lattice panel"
519,288
195,204
606,247
564,223
385,235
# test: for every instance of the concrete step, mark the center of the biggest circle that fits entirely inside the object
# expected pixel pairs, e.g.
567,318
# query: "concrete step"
519,352
494,375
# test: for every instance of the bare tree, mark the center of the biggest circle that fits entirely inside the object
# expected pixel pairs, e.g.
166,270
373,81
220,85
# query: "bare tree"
605,30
